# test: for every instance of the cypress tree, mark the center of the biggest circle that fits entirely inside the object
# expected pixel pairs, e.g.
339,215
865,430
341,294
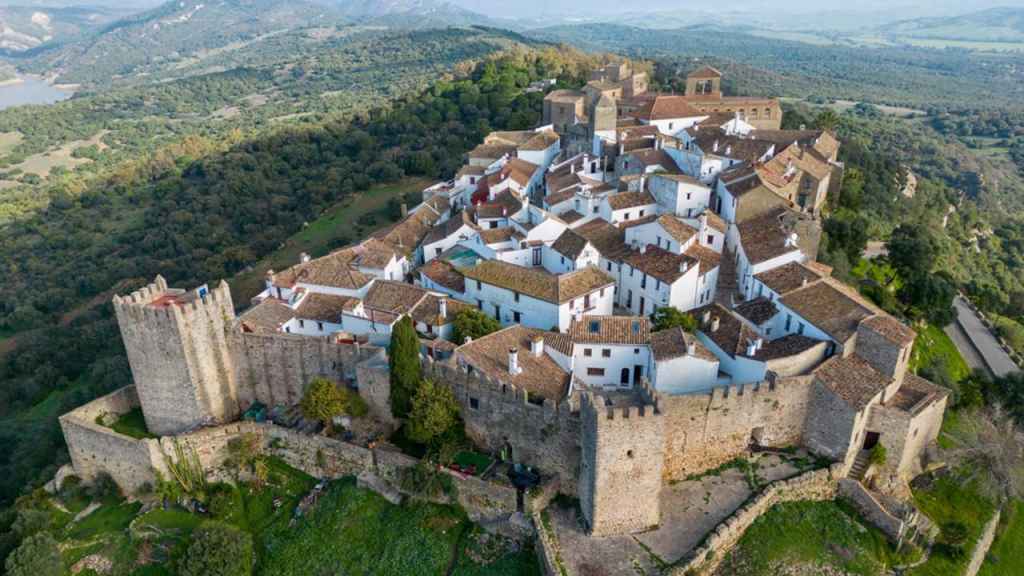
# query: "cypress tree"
406,371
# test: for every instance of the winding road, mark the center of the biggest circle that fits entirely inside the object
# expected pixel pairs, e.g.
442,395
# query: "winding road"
976,343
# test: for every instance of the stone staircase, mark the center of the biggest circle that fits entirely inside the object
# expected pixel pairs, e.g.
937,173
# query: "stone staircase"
728,283
860,465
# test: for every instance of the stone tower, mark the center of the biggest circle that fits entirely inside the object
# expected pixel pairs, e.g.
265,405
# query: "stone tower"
621,466
704,81
886,344
603,118
180,354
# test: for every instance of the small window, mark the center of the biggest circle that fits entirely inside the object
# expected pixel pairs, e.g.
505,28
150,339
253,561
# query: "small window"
515,296
588,352
606,353
320,326
479,285
595,326
636,327
595,371
626,216
516,317
302,323
474,403
609,266
636,350
641,215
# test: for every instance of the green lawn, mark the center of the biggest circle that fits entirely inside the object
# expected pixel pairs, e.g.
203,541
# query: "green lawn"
348,221
812,534
1006,557
132,424
932,347
949,499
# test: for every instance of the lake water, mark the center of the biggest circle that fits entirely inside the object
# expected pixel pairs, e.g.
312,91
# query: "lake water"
30,91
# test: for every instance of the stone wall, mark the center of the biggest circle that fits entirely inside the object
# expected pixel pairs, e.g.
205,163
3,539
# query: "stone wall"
817,485
705,430
275,368
621,469
831,424
872,510
543,435
981,548
95,448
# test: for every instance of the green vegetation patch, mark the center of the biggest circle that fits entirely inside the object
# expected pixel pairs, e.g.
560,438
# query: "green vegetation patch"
933,350
813,533
355,531
478,461
132,424
105,519
952,500
1006,556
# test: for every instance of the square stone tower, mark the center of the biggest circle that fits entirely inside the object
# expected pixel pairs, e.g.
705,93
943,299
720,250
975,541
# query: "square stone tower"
179,349
886,344
621,466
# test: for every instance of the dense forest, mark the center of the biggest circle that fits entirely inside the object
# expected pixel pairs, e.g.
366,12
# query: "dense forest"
206,214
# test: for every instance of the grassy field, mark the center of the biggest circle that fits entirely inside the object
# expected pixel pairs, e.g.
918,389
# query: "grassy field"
348,531
952,499
348,221
1006,556
934,346
814,535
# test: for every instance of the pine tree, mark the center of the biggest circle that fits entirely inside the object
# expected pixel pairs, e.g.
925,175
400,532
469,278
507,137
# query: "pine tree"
406,371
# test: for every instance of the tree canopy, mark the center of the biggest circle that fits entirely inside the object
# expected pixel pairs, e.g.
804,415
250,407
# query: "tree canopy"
322,401
474,324
406,371
218,549
434,412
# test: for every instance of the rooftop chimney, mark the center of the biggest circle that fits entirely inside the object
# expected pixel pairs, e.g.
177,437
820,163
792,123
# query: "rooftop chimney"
442,307
705,318
303,257
751,347
703,219
691,347
643,248
803,282
683,266
792,240
714,324
715,147
513,362
728,150
405,209
759,342
468,340
537,345
504,211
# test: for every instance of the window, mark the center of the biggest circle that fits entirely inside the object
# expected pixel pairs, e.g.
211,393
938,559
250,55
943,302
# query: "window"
609,266
516,317
595,326
515,296
626,216
474,403
641,215
320,326
789,319
636,350
595,210
437,251
494,224
302,323
636,327
643,281
479,304
670,125
562,258
606,353
479,285
602,293
800,328
658,241
595,371
588,352
689,195
711,239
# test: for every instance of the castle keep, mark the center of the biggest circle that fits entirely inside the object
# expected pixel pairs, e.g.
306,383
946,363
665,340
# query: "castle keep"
569,235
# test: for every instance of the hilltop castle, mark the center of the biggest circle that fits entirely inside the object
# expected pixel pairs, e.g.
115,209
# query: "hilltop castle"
698,202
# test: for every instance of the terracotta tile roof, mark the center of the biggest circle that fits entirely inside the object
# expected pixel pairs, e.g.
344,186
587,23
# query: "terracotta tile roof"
394,297
829,308
732,335
785,347
449,227
443,273
757,311
570,216
336,270
891,328
564,95
539,375
624,200
708,258
676,228
497,235
569,244
503,205
664,107
558,341
652,157
717,222
538,283
405,236
705,72
609,240
428,310
492,151
323,307
540,141
765,237
852,379
678,177
671,343
634,222
266,317
802,160
610,330
730,146
470,170
373,254
511,137
520,170
660,263
915,394
788,277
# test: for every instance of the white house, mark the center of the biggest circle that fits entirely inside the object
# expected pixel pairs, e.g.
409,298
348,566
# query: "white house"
679,194
446,235
653,277
611,351
626,206
533,297
667,231
681,364
761,244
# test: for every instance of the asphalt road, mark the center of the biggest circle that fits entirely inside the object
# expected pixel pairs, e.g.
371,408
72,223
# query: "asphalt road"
984,342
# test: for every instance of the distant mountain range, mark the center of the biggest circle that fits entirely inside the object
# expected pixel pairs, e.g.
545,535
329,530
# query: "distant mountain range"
993,25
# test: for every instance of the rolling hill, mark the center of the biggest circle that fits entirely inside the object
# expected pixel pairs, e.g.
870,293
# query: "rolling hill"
993,25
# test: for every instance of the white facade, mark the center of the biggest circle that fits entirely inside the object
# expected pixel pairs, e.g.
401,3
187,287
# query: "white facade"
510,307
611,365
435,249
683,199
684,375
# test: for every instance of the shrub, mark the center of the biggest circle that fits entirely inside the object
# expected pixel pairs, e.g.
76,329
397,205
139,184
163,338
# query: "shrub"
322,401
37,555
878,455
103,487
218,549
668,317
434,412
473,323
